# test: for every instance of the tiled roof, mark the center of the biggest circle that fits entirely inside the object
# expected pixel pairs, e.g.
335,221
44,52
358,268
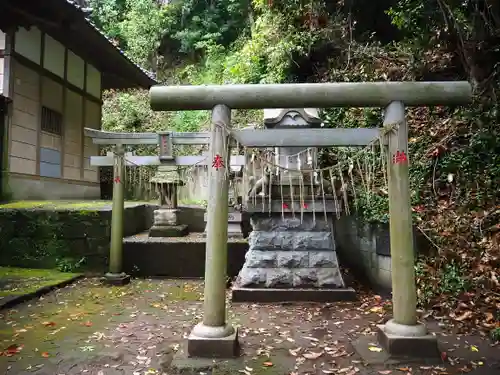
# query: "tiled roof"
84,15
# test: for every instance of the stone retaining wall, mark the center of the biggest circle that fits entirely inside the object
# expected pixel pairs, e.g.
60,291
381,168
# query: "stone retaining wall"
365,248
63,238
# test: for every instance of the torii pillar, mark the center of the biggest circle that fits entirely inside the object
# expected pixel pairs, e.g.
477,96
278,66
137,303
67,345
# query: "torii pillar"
214,337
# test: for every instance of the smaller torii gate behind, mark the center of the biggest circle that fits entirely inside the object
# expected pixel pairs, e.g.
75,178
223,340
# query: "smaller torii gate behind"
119,159
402,335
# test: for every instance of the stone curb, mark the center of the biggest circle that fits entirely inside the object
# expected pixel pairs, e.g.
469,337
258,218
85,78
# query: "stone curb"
11,301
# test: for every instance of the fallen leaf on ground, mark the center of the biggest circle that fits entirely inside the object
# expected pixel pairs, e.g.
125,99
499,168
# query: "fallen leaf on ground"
385,372
87,324
312,355
343,370
464,316
49,324
267,364
12,349
45,355
474,348
374,349
311,338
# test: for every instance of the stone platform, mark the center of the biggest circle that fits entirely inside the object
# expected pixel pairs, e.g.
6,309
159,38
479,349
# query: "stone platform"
182,257
289,260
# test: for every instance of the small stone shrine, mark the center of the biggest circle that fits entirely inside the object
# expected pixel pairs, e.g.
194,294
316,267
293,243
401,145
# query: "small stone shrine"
291,246
166,222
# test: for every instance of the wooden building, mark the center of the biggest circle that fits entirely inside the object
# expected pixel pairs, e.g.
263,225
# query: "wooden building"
54,66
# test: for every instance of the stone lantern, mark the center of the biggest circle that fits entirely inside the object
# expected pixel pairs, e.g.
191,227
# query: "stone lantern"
166,223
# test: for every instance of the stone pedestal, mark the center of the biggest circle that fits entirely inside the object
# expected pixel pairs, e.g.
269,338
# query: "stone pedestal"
116,279
407,341
213,342
166,225
288,255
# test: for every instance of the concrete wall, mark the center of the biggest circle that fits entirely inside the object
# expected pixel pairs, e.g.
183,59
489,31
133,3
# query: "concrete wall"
357,248
365,247
48,74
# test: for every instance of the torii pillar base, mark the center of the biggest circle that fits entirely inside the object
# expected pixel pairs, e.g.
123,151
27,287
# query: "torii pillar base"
213,342
404,341
116,279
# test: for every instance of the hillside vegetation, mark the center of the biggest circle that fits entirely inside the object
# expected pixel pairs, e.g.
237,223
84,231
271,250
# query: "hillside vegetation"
455,152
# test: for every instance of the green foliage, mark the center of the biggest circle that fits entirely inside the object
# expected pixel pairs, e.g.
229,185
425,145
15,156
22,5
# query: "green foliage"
142,28
130,111
136,25
449,280
108,15
194,25
495,334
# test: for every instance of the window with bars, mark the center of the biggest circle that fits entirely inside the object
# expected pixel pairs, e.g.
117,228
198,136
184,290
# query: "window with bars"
51,121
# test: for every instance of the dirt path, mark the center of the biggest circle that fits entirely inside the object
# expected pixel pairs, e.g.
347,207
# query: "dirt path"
91,329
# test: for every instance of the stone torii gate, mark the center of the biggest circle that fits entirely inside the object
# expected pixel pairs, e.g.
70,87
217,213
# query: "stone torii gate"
402,335
119,159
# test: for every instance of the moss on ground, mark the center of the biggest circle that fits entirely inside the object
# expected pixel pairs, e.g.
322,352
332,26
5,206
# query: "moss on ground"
18,281
69,320
62,205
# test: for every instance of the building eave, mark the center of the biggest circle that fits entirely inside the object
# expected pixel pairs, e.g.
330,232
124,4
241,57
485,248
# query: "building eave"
65,21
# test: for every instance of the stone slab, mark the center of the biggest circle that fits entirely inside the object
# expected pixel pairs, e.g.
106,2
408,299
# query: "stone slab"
293,240
372,358
277,223
285,278
270,295
181,364
416,347
224,347
169,231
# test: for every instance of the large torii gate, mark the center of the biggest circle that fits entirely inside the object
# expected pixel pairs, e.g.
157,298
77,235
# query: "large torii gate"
402,335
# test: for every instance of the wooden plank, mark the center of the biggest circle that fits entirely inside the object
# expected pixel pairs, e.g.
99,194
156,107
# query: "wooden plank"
309,95
306,137
133,160
111,138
